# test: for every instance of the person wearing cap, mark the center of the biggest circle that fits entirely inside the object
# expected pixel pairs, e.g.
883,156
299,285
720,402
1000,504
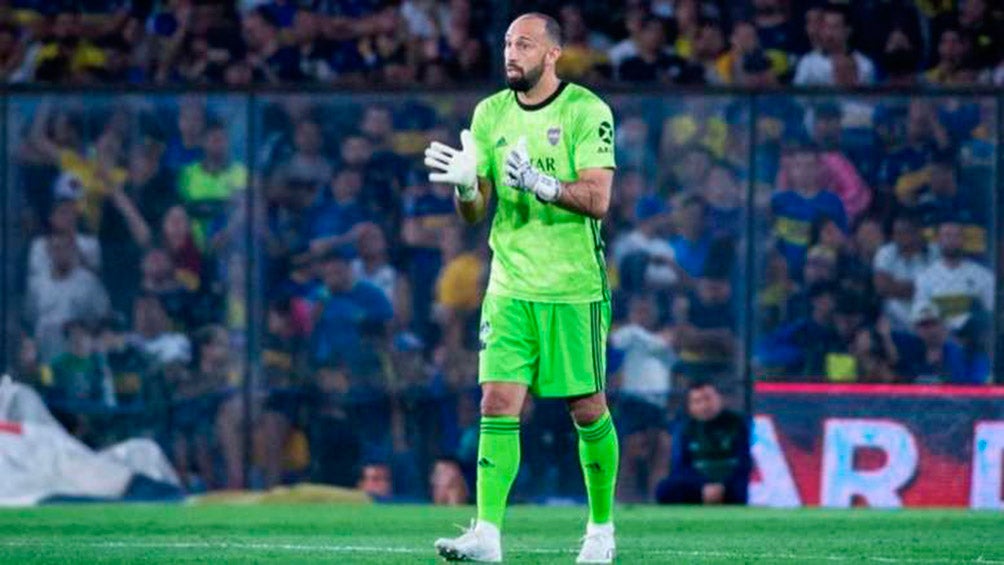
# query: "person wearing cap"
958,286
928,355
643,256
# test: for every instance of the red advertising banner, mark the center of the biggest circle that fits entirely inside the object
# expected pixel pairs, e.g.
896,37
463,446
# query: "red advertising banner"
882,446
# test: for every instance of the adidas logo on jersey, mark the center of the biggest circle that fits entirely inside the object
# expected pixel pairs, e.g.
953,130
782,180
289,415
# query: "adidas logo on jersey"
501,143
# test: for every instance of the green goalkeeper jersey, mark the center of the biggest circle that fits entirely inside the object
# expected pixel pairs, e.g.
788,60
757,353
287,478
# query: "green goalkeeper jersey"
542,252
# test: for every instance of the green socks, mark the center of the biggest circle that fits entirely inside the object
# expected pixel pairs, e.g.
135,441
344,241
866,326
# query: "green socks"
498,463
599,453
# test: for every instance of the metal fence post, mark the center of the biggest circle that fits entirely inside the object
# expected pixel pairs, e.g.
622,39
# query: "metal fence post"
998,317
251,298
752,272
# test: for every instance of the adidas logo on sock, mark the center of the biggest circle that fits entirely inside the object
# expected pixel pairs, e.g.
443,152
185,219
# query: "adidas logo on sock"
501,142
485,463
594,467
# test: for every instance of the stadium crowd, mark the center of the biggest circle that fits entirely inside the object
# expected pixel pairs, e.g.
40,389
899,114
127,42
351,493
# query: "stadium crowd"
442,42
872,220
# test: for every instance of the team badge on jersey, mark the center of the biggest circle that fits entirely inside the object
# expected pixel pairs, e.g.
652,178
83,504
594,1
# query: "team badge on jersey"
554,136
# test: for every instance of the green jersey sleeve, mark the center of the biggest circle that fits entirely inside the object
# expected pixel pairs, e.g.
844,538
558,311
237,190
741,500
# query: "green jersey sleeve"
594,136
481,128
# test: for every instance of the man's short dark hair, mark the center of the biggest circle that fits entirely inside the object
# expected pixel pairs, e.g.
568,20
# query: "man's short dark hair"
698,384
551,26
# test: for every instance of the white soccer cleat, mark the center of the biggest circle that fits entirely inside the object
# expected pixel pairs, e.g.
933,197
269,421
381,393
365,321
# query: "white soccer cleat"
480,542
598,544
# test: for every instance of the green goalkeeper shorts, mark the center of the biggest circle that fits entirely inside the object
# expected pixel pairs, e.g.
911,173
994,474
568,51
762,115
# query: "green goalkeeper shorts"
557,350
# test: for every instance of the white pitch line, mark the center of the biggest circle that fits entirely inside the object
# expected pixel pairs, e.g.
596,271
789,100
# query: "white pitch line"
535,551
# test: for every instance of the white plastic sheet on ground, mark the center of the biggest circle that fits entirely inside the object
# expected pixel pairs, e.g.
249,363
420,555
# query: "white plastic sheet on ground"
39,459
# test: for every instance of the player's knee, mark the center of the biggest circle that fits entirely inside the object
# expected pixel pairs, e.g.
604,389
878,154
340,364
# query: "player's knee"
586,411
498,403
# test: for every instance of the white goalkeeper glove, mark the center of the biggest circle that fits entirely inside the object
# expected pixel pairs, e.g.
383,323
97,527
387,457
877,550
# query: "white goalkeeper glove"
521,175
459,168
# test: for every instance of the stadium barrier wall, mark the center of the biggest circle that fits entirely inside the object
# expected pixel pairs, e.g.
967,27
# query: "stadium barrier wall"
878,446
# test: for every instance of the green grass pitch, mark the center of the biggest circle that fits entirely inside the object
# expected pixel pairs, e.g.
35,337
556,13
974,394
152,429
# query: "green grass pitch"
404,534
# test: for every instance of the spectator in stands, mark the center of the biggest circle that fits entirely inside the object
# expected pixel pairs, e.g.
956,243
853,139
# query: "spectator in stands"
335,445
653,61
897,266
635,17
447,484
460,286
207,186
819,66
169,351
853,272
981,23
800,349
308,161
428,211
837,172
711,461
944,200
272,61
958,286
12,52
186,144
179,244
373,264
875,355
580,59
952,53
903,171
775,30
794,211
63,221
643,256
97,170
159,277
725,198
284,363
66,292
376,480
643,393
128,366
338,220
743,42
709,50
77,377
692,240
929,356
352,320
704,321
195,402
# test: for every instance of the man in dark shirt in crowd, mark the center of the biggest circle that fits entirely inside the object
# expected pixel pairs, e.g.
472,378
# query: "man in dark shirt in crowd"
711,460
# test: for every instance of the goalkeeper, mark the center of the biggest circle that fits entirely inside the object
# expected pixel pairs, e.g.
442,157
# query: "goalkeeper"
545,147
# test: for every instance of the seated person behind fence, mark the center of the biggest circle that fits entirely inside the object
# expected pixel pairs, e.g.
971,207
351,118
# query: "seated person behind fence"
711,460
446,481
